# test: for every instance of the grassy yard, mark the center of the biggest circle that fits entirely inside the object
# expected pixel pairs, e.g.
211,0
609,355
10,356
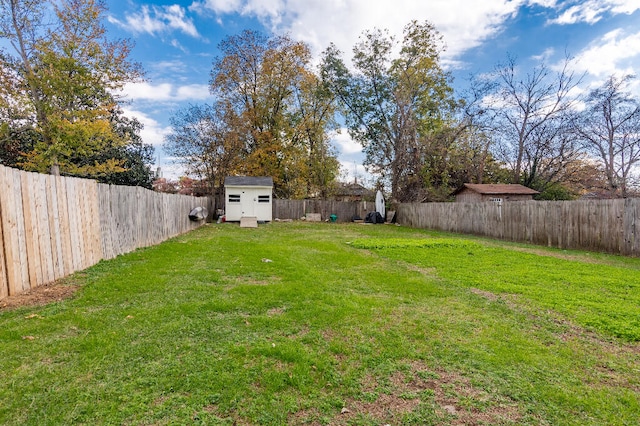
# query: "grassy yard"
296,323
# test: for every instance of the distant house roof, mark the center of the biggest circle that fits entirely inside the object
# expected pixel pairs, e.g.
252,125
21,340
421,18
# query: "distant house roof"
352,189
498,189
248,181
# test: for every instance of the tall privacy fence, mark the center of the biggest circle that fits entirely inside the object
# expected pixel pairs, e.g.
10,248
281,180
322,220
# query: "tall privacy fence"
52,226
344,210
611,226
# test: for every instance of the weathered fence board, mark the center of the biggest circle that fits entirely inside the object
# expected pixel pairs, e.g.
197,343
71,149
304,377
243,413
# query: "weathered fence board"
38,186
4,284
31,232
344,210
15,252
52,226
596,225
65,234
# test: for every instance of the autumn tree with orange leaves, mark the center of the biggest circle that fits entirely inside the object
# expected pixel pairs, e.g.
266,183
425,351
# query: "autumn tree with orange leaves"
271,118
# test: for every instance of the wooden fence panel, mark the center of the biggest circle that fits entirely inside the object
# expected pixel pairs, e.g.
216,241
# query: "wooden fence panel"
4,285
75,225
55,225
13,232
597,225
94,214
133,217
4,239
106,220
29,201
65,234
344,210
631,227
52,226
45,231
85,217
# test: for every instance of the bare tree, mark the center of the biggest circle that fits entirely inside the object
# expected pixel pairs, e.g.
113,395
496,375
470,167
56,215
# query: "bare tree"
530,114
205,140
610,130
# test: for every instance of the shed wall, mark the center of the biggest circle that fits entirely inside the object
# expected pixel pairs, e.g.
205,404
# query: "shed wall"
248,201
468,196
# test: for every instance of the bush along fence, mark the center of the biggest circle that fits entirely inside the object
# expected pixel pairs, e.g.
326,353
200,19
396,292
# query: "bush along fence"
611,226
52,226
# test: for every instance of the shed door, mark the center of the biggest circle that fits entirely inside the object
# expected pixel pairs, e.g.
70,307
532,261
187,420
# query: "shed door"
248,202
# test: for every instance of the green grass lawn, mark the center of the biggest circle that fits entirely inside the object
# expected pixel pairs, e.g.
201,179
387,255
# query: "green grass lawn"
296,323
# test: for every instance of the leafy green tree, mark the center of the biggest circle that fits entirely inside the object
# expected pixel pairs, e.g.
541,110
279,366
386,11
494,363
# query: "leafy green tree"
135,156
65,73
400,107
14,142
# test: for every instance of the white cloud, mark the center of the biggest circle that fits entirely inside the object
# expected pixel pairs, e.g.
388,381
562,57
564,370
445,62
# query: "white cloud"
174,15
173,66
217,6
544,3
147,91
158,19
193,92
344,143
592,11
166,92
625,6
153,132
463,24
614,53
175,43
545,55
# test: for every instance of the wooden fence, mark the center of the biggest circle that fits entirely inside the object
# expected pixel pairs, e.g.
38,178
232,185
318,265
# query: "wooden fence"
344,210
52,226
611,226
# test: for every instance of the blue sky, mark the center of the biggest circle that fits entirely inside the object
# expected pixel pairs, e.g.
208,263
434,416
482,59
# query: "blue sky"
176,42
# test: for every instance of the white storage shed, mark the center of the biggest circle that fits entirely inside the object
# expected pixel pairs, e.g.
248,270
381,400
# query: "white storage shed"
247,196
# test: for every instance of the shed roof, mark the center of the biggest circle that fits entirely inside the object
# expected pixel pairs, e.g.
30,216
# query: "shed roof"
248,181
498,189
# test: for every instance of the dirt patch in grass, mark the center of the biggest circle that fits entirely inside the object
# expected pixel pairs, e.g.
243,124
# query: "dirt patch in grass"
300,333
458,402
485,294
40,296
273,312
308,417
450,397
430,272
